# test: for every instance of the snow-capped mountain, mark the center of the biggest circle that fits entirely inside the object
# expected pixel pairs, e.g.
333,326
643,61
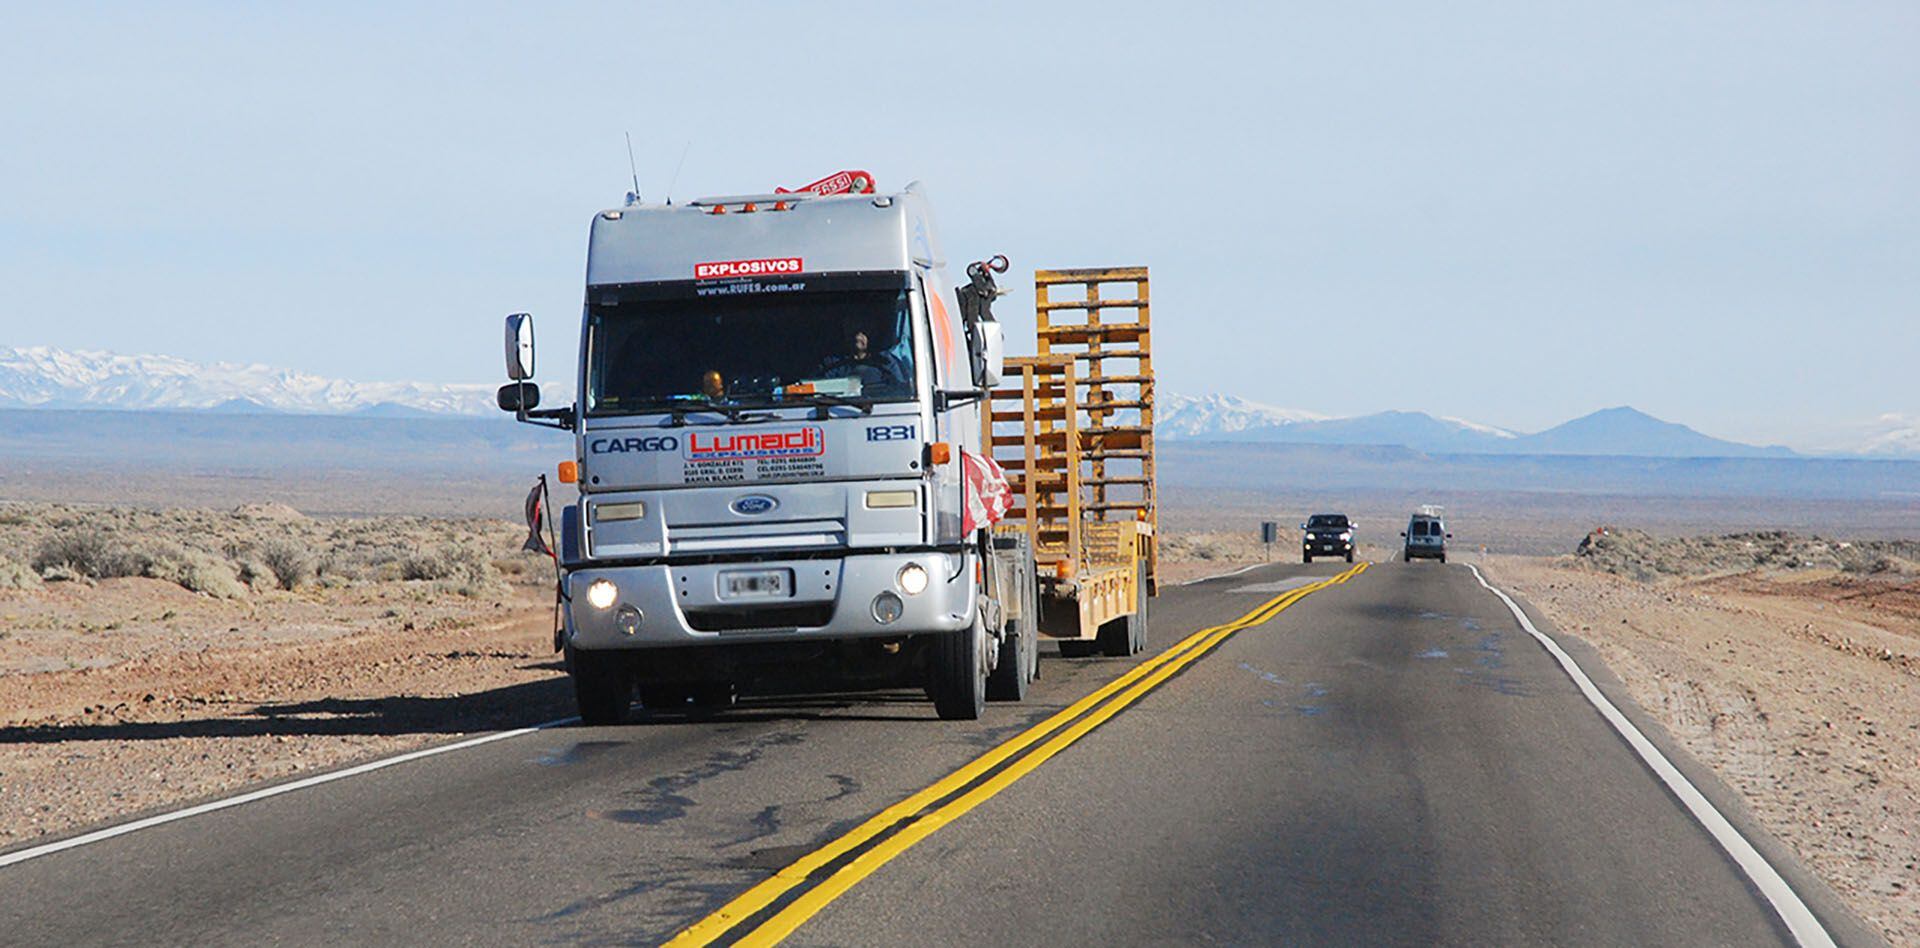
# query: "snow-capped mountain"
46,377
1892,436
1184,416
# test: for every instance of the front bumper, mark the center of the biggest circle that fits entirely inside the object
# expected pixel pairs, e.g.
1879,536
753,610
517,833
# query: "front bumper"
830,599
1329,546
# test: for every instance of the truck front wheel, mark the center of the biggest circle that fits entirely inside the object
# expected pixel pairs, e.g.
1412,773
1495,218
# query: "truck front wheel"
602,686
958,683
1019,662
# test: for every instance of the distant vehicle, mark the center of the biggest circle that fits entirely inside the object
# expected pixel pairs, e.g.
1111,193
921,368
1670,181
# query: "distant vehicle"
1327,535
1426,536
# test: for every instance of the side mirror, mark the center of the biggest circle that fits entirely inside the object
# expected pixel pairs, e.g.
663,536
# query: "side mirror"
519,397
519,349
1403,533
993,354
1448,536
1303,526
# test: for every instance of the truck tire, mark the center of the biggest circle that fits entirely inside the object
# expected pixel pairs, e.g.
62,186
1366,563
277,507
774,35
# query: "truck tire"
958,683
1019,662
1306,557
1349,556
1443,557
602,686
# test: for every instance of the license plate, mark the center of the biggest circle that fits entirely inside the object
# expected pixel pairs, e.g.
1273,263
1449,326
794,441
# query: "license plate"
756,584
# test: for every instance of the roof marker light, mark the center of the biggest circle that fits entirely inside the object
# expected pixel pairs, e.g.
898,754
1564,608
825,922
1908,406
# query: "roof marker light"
718,209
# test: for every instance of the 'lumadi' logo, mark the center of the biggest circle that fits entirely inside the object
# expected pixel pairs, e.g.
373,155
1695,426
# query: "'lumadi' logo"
809,441
753,505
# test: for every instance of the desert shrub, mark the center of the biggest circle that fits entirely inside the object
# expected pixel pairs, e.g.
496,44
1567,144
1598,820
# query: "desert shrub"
462,567
17,575
256,575
290,562
88,552
195,571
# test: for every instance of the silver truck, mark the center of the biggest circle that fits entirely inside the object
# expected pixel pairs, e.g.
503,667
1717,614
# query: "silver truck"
775,395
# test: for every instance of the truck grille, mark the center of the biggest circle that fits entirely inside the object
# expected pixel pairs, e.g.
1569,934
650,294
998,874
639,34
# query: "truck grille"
812,615
793,534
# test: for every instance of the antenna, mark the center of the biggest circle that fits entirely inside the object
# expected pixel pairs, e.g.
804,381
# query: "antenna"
633,197
676,169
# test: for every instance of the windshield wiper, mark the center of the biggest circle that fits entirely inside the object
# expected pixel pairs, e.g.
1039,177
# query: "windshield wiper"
821,401
733,414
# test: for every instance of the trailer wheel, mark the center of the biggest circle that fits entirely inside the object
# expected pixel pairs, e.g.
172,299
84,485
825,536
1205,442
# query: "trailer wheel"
1119,637
602,686
1140,611
1078,648
1127,635
959,673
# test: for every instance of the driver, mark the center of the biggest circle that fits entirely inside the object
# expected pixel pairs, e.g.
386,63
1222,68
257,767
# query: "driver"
878,372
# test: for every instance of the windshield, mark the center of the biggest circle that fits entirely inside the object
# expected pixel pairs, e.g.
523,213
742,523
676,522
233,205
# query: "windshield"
1327,521
750,349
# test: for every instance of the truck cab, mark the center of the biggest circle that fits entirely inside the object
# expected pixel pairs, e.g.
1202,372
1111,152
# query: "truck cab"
775,396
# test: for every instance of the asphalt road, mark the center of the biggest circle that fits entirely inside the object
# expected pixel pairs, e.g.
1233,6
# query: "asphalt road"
1389,760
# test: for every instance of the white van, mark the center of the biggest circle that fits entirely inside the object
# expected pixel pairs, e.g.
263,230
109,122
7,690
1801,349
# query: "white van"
1426,536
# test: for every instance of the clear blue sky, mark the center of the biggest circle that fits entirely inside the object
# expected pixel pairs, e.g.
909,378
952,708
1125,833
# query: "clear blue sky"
1511,212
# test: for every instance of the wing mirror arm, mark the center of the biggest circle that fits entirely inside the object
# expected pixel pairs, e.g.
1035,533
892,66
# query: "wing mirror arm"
944,399
521,399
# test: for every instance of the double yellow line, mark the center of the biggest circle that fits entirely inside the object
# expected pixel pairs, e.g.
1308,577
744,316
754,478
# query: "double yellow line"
911,819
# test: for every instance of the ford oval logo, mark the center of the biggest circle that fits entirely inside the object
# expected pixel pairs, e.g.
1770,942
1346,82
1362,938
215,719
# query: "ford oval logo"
753,505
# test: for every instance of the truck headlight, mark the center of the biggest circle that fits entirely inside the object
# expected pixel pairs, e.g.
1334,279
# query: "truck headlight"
601,593
912,579
887,607
628,619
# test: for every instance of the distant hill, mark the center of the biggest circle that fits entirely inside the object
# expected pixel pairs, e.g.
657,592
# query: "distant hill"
1616,432
1628,432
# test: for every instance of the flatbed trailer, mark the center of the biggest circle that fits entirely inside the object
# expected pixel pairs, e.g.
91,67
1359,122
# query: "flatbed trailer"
1072,427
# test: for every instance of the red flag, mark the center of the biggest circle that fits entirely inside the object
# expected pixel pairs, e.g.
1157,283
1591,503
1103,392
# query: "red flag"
986,493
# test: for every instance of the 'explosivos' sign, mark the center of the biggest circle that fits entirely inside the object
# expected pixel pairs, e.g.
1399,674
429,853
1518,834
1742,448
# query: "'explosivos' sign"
807,442
723,269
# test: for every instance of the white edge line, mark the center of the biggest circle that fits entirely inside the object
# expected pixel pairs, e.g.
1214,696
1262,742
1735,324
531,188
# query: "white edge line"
1799,919
210,806
1226,574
